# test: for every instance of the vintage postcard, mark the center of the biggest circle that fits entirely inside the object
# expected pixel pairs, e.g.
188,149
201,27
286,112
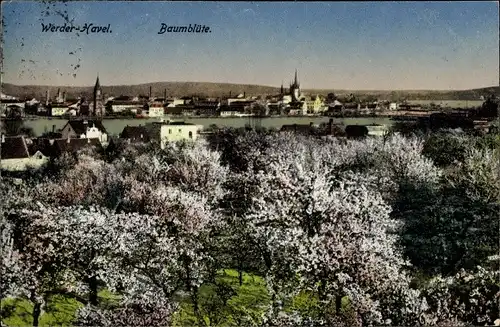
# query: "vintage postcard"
182,163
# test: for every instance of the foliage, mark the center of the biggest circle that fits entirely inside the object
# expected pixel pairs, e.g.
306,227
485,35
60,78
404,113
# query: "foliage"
472,297
453,225
329,230
447,148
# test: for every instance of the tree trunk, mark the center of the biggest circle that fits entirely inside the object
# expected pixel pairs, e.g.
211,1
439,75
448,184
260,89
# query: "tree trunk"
37,310
196,307
338,303
93,299
240,272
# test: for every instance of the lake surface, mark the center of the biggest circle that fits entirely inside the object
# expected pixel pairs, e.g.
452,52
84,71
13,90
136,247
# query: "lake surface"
115,126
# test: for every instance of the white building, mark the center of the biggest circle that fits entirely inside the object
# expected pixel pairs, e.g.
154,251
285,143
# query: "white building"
58,109
175,102
156,110
393,106
377,130
90,129
178,131
119,106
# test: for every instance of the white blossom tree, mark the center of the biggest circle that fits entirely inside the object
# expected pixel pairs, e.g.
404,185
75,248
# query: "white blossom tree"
469,297
336,238
10,269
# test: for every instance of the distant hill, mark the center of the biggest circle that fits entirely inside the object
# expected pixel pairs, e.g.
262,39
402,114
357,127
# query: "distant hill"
178,89
173,89
473,94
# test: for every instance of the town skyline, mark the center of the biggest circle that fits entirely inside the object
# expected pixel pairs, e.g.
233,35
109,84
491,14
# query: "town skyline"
368,46
277,87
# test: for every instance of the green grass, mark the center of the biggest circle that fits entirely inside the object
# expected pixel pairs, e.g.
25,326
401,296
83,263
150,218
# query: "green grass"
59,311
224,304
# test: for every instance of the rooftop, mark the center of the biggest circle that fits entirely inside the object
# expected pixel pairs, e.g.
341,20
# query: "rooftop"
14,147
74,145
80,126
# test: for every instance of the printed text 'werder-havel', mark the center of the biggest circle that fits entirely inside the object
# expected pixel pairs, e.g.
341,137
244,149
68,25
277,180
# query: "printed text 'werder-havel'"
88,28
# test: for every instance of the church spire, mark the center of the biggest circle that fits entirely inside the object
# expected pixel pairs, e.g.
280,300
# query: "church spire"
97,84
295,80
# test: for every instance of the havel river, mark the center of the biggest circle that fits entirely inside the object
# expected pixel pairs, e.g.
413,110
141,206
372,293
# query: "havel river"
115,126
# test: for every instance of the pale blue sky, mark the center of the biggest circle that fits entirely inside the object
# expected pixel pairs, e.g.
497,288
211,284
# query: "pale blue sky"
358,45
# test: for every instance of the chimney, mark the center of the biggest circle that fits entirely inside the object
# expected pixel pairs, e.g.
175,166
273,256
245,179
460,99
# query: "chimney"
165,94
47,98
150,91
244,95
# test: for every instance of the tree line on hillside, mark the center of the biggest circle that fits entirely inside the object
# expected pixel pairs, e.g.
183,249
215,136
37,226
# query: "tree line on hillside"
180,89
389,231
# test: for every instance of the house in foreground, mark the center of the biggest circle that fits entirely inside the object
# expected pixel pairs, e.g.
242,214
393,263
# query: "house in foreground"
88,129
72,146
135,134
173,131
18,155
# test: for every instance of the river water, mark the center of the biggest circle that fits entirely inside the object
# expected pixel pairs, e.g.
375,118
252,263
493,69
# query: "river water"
115,126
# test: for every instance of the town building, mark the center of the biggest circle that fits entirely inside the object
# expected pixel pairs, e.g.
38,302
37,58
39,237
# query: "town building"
410,107
173,131
187,109
206,107
135,134
60,146
61,96
156,109
11,106
58,109
316,105
377,130
16,156
118,106
85,129
306,129
335,106
175,102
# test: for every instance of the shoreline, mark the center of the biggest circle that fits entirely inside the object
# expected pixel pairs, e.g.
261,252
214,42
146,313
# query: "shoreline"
186,117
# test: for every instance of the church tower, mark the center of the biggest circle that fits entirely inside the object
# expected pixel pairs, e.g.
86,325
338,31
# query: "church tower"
295,88
98,109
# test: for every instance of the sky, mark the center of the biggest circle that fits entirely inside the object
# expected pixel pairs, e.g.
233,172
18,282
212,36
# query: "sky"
336,45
